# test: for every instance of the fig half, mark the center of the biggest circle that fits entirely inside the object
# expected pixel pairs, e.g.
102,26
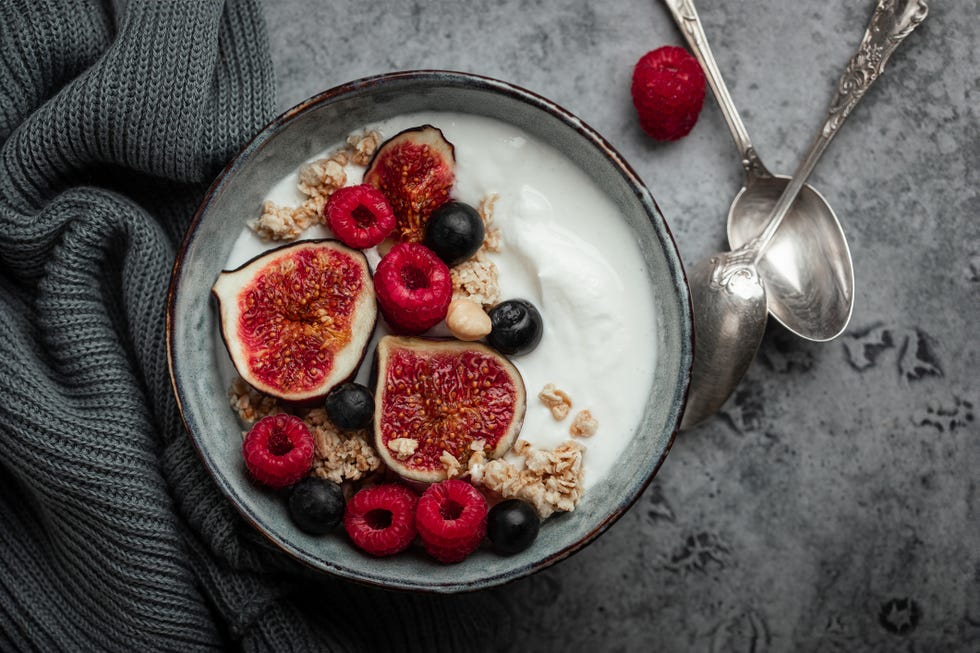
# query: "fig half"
415,171
438,397
297,319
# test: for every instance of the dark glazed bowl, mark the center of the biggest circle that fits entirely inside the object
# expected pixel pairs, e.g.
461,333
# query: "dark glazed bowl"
320,122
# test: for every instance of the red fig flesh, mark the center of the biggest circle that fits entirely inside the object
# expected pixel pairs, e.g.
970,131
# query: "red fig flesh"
415,171
297,319
443,395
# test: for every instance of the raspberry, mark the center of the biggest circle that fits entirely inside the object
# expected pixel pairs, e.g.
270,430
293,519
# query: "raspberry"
381,519
451,519
278,450
359,216
413,288
668,91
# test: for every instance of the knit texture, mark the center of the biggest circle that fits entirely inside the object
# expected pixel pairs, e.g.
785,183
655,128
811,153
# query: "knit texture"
114,118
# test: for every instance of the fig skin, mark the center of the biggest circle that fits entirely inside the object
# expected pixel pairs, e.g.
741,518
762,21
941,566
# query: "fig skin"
404,468
414,200
231,283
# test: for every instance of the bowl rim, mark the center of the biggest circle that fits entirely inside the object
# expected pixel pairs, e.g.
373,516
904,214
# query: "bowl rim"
451,78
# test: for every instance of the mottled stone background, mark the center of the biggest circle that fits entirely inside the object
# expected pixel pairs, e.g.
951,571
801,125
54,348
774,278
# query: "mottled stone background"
833,504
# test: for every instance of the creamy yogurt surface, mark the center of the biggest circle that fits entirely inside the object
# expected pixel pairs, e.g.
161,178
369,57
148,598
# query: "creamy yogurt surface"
566,249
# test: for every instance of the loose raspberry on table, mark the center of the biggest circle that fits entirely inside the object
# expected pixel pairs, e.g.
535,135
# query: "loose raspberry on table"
381,519
278,450
413,287
451,519
359,216
668,92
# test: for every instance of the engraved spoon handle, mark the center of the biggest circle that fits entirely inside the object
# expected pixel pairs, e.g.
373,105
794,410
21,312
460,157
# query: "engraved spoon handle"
686,17
890,23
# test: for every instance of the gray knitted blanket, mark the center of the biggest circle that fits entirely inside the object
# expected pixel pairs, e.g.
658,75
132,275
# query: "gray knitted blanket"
114,118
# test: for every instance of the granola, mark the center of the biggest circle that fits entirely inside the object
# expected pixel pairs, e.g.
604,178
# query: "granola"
403,448
322,177
362,146
450,464
557,401
476,279
551,480
584,425
283,222
339,456
249,404
491,239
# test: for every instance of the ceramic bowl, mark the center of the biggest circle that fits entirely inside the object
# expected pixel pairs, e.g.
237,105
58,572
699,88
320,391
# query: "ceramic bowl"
316,124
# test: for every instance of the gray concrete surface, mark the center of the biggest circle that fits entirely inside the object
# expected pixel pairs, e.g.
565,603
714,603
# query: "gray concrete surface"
833,504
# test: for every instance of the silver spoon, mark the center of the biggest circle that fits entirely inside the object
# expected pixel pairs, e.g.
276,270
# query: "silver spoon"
727,293
807,271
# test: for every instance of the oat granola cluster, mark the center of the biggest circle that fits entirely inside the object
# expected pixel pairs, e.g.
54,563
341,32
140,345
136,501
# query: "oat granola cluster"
403,448
584,425
551,480
251,405
557,401
451,464
362,146
319,179
476,279
340,456
491,238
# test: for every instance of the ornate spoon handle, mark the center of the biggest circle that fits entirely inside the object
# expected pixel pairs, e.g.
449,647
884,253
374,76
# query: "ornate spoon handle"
686,17
891,22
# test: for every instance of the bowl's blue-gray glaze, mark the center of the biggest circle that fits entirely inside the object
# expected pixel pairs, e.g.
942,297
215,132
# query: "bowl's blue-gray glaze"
278,150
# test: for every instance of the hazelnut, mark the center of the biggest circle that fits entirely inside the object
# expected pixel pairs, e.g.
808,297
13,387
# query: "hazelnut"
467,320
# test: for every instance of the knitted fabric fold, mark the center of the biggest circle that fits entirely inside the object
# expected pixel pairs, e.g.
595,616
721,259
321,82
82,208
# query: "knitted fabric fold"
114,118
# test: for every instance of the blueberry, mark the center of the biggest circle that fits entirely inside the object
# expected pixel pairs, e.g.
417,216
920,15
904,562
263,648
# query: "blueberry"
350,406
512,525
316,505
454,232
516,327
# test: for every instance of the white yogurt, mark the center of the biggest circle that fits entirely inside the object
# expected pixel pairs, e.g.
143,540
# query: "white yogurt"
566,249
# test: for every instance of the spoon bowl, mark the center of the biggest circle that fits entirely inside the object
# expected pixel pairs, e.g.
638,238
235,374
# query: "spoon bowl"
809,278
727,310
